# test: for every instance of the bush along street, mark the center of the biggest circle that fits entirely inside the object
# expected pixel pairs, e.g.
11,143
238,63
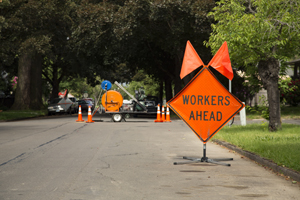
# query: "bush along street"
290,91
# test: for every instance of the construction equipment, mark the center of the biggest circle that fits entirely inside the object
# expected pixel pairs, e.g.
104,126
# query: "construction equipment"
112,102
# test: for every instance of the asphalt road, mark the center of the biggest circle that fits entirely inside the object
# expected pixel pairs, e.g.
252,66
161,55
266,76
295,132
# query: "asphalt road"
58,159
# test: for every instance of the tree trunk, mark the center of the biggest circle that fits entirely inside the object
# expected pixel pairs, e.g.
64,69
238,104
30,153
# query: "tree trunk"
55,82
29,88
269,71
168,88
22,96
36,101
161,90
177,79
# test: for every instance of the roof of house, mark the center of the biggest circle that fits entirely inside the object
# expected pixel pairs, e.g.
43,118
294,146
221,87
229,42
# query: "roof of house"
293,62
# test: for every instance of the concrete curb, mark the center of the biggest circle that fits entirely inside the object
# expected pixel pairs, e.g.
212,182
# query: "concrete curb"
287,172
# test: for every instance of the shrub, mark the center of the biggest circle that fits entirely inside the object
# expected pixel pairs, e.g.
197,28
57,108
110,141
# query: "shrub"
290,91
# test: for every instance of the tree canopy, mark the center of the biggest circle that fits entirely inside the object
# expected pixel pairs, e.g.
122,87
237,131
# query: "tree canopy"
154,33
115,39
260,34
30,31
257,29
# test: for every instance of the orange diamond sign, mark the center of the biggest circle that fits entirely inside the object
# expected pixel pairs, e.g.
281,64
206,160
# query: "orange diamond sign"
205,105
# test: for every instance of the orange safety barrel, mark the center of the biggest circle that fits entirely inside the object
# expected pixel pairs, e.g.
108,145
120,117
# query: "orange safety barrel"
112,100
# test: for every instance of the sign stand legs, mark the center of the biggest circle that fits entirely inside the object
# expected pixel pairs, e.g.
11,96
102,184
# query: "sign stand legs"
204,159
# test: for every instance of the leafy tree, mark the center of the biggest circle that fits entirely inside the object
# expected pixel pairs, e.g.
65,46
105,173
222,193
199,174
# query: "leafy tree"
110,38
94,40
30,31
113,39
77,86
260,34
141,79
153,35
60,64
64,68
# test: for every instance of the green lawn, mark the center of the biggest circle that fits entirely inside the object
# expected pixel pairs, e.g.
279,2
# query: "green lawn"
12,115
287,112
282,147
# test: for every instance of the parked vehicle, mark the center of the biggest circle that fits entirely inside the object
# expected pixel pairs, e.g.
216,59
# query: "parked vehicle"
75,104
89,99
91,104
150,102
85,105
60,105
153,98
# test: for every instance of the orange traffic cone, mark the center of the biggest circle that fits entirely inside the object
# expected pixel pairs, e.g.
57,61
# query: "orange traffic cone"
168,115
89,116
79,115
158,118
163,116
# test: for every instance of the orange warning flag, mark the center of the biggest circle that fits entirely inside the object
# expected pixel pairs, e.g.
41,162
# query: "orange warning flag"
221,62
191,60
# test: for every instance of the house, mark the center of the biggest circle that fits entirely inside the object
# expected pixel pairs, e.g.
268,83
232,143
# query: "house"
293,71
296,66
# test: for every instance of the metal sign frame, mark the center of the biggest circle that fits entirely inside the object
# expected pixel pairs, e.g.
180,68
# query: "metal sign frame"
233,110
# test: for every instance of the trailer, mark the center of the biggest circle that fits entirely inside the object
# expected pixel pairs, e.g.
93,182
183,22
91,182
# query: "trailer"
112,103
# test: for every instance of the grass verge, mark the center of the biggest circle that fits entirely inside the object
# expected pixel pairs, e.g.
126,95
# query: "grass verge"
21,114
287,112
282,147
